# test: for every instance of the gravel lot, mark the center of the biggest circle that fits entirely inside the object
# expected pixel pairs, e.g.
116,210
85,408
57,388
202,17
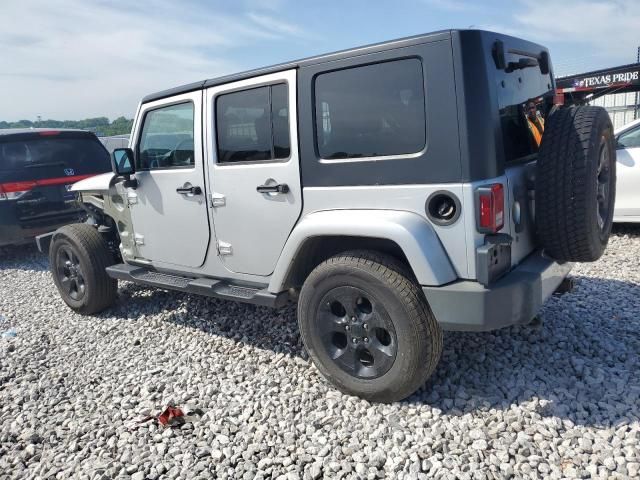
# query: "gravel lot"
560,399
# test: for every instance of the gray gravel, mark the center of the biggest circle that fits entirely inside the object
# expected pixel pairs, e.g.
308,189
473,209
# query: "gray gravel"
560,399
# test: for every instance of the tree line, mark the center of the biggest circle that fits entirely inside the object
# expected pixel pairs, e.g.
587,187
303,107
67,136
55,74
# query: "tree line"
101,126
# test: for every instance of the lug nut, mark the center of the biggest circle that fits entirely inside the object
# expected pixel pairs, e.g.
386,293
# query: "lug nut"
366,340
353,319
365,326
347,328
354,340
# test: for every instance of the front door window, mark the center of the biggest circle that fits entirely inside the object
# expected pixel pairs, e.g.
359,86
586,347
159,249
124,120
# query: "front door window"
166,140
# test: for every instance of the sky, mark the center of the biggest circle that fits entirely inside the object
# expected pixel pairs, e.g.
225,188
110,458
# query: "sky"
73,59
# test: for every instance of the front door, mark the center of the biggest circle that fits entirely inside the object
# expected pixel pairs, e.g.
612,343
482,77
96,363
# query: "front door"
168,208
255,174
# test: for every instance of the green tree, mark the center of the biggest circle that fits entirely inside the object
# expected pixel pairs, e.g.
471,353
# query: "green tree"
101,126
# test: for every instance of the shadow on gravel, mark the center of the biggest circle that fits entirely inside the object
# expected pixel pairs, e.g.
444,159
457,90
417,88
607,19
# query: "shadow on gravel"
582,363
23,257
262,327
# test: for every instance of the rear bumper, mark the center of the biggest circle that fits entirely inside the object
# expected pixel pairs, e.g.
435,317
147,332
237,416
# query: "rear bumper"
512,300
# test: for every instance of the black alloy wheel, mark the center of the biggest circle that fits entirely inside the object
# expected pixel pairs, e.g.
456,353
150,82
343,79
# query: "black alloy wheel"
70,274
356,332
604,185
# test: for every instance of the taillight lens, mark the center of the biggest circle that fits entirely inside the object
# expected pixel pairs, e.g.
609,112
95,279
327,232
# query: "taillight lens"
490,201
15,190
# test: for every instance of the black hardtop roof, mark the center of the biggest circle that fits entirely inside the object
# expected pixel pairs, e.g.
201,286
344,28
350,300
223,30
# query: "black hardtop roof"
328,57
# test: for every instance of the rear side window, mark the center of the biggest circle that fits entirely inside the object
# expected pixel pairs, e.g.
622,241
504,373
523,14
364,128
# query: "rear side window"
54,155
371,111
166,140
253,125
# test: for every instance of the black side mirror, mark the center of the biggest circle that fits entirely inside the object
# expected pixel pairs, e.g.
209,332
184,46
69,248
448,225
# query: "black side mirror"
123,165
122,162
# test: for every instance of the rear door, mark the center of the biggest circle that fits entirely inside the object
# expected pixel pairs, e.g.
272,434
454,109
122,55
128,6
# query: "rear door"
255,171
523,96
37,170
169,211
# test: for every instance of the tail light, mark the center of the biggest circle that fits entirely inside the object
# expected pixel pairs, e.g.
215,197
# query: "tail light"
15,190
490,202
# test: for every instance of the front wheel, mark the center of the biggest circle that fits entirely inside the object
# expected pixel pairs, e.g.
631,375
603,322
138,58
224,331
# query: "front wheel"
368,327
78,259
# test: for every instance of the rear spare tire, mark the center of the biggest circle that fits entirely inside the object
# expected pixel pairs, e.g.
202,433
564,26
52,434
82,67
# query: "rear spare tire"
575,184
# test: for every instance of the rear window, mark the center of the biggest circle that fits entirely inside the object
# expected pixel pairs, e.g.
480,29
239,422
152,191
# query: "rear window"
523,102
522,127
55,155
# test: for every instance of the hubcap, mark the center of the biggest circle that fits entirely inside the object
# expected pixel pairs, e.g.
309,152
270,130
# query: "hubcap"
70,274
357,332
603,186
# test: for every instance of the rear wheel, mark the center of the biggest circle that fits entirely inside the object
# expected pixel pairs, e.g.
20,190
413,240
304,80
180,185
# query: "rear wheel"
367,326
78,259
575,184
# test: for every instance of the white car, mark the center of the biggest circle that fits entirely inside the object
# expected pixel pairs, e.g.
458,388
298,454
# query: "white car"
627,207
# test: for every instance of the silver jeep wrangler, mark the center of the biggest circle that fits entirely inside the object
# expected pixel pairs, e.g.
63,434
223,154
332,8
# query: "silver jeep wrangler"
395,191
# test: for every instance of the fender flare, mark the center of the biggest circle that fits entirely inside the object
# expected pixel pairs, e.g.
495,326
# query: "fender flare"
412,233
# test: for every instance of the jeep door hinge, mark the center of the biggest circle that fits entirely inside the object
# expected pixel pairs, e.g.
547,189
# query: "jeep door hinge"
217,200
132,198
138,239
224,248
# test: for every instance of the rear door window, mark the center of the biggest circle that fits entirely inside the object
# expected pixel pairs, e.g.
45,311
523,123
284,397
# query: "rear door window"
371,111
253,125
53,155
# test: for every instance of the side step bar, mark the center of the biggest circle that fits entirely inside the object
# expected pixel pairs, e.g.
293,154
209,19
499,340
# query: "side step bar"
200,286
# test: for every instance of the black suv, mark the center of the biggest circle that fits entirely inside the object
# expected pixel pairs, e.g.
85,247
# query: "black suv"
37,168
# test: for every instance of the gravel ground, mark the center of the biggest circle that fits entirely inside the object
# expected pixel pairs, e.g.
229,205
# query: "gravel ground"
560,399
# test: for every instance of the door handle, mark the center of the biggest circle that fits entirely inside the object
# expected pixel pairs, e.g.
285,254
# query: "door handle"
189,190
277,188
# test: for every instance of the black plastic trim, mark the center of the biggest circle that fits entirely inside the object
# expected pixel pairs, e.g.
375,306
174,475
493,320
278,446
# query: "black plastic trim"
209,287
43,241
514,299
439,221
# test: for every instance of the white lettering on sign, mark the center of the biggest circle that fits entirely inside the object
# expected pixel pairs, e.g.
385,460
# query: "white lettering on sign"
605,80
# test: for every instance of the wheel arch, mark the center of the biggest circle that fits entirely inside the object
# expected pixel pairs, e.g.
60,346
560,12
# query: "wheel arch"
403,235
